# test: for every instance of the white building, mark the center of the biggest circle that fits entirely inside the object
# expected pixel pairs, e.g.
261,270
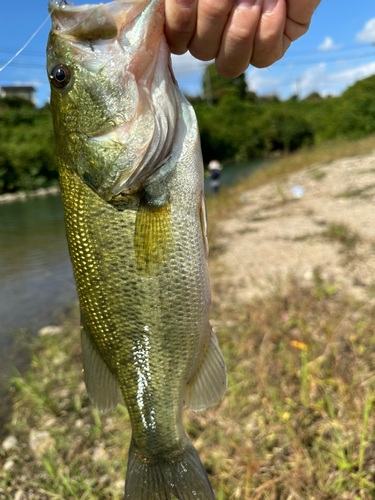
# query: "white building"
26,92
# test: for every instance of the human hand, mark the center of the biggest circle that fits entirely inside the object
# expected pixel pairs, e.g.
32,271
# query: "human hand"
236,32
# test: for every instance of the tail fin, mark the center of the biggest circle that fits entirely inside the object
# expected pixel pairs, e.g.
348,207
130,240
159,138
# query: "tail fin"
185,478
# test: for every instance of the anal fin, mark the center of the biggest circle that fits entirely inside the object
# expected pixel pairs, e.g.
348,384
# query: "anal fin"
209,382
101,385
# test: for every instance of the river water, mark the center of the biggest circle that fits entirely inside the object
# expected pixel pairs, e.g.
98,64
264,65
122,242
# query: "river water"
36,279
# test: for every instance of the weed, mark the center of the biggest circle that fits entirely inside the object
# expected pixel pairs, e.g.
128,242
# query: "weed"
358,192
341,234
317,174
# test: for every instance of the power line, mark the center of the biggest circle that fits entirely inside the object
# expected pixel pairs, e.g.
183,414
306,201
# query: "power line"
292,53
285,62
343,48
24,65
303,84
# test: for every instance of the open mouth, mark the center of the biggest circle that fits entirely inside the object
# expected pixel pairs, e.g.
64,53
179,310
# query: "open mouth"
93,22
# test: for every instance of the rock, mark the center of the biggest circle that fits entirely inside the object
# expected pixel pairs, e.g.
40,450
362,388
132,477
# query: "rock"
9,464
20,495
99,453
40,442
79,423
50,422
9,443
104,479
48,331
59,359
119,484
63,393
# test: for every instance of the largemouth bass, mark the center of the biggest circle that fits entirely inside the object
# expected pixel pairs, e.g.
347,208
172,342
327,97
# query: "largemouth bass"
131,177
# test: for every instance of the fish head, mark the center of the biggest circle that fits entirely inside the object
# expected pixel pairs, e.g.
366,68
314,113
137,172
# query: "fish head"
103,62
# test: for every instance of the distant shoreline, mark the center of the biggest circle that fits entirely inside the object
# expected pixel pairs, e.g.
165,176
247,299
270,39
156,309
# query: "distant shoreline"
24,195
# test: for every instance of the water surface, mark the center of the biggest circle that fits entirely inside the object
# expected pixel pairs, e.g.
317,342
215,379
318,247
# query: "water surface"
36,278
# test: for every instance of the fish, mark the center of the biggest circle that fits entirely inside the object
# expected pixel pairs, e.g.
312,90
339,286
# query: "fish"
131,177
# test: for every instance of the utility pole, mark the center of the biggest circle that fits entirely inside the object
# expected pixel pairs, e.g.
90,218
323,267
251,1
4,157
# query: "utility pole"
298,90
208,87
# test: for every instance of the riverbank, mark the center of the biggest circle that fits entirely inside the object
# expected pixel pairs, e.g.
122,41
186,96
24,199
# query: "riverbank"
24,195
293,307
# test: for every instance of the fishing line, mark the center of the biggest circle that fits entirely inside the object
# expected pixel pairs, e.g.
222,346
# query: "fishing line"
26,44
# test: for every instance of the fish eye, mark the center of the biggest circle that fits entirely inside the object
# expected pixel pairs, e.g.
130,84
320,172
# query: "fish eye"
60,76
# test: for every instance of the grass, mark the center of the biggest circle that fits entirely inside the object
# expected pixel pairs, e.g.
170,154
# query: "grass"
342,234
297,421
358,193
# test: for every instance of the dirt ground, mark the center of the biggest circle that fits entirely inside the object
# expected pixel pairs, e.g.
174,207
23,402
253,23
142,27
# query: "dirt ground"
319,221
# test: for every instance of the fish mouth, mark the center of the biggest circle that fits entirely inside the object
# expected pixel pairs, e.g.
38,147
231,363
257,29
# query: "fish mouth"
86,22
93,22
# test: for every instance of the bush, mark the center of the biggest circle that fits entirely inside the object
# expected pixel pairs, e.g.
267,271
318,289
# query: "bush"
27,153
285,130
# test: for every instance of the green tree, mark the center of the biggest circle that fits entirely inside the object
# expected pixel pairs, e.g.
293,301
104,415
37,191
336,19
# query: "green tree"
27,153
215,86
284,129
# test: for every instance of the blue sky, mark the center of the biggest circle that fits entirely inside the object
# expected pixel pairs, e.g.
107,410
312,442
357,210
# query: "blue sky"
337,51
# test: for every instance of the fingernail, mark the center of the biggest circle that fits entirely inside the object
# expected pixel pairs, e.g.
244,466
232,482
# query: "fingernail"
185,3
269,5
246,4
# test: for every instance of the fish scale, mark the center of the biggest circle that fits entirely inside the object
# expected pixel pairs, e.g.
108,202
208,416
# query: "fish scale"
136,234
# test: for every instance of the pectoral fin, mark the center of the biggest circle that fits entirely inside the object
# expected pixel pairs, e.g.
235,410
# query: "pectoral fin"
101,385
209,382
203,219
153,240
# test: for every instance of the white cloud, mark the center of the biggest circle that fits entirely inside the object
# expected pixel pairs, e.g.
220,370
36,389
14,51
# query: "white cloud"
189,73
328,44
311,80
368,32
187,64
352,75
317,78
263,81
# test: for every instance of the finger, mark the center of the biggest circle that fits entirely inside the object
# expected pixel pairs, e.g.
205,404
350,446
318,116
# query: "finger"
237,42
270,43
294,30
298,19
180,20
301,12
212,17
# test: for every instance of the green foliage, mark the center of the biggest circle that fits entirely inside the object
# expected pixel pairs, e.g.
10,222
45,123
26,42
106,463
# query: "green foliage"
216,87
14,102
357,110
27,154
284,129
235,124
314,97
